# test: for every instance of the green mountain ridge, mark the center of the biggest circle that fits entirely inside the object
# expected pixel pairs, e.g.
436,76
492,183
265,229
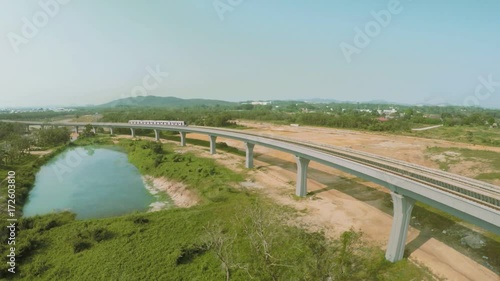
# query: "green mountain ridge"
156,101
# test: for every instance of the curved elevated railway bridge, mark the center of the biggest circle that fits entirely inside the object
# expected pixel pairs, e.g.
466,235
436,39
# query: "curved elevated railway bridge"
471,200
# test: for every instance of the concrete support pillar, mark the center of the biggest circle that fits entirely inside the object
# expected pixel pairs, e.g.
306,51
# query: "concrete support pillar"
132,132
212,144
27,128
157,135
93,130
42,126
76,129
110,130
301,187
183,138
249,155
402,215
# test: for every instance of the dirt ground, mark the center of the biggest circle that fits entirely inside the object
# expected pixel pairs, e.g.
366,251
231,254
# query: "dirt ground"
181,196
333,211
41,152
409,149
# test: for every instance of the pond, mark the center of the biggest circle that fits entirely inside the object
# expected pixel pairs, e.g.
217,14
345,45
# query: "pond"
92,182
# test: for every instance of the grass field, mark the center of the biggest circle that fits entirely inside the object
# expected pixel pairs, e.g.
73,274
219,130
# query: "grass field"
490,159
473,135
234,234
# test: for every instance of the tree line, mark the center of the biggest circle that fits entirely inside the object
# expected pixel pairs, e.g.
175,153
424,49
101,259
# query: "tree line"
334,115
16,142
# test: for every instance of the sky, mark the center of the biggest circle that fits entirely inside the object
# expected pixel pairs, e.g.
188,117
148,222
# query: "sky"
80,52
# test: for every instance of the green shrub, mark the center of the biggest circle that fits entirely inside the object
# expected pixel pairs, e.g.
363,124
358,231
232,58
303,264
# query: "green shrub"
38,267
141,220
80,245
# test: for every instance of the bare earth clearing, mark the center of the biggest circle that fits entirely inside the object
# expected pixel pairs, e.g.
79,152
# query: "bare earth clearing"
177,191
333,211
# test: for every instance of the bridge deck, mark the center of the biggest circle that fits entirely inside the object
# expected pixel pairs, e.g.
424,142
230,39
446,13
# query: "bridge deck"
469,199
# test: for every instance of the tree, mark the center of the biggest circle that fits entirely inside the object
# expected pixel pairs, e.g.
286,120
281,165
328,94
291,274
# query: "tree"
220,243
409,113
88,132
49,137
3,154
157,148
11,153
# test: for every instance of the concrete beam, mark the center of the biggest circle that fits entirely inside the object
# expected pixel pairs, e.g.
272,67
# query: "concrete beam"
212,144
423,191
301,187
157,135
183,138
249,154
132,132
402,215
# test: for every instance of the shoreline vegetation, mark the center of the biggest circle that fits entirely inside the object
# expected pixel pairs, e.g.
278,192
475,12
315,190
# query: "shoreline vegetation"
220,237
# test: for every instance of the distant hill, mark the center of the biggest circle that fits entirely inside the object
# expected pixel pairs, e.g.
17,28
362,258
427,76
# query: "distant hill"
379,102
155,101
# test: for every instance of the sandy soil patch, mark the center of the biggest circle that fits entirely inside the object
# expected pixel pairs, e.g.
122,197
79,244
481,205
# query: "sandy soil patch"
41,152
177,191
468,167
86,118
405,148
446,156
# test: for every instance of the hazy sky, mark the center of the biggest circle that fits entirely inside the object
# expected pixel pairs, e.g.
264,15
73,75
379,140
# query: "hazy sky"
76,52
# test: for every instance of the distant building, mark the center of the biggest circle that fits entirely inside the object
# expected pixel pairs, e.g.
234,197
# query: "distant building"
389,113
260,102
62,109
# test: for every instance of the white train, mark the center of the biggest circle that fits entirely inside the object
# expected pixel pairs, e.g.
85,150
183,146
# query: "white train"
158,122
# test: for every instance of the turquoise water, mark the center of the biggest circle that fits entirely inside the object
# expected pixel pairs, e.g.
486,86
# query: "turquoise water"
92,182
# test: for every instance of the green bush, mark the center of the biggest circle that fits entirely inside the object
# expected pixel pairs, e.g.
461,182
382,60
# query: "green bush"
81,245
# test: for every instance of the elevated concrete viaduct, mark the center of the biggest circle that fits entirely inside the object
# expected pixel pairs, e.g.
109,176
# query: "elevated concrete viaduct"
471,200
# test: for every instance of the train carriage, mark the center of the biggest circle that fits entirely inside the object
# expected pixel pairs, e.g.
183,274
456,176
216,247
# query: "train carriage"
158,122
